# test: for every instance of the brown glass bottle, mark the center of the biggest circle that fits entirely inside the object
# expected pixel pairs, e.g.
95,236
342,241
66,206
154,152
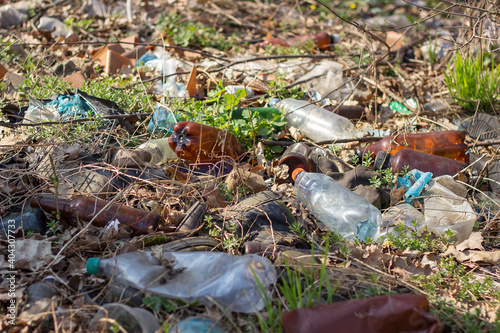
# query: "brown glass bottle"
418,160
445,143
85,208
322,40
202,143
296,156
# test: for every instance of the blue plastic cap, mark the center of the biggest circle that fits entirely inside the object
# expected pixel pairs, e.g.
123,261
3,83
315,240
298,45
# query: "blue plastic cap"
273,101
93,266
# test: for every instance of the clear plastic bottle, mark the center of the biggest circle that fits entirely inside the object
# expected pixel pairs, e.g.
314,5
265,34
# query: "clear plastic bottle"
316,123
207,277
160,151
337,207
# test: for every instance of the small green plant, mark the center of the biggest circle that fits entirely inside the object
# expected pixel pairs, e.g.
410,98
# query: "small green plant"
367,160
160,304
374,289
231,242
193,34
409,238
375,181
298,230
213,229
304,289
53,227
472,84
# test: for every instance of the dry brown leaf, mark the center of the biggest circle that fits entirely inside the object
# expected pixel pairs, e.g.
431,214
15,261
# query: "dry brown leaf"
191,85
474,242
488,257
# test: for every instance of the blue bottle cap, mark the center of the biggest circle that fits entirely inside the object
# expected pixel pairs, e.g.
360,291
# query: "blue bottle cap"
93,266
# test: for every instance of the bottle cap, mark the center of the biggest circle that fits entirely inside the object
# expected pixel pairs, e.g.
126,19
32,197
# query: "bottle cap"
93,266
295,172
380,160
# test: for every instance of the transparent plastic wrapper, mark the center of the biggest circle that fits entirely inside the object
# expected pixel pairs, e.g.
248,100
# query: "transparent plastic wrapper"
207,277
326,78
337,207
385,314
405,214
444,210
57,27
163,120
315,122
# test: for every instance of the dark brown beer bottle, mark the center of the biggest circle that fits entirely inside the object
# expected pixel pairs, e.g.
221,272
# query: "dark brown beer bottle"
86,208
418,160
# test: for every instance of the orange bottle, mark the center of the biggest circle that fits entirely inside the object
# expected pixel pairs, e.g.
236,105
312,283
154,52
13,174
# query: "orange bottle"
85,208
322,40
202,143
445,143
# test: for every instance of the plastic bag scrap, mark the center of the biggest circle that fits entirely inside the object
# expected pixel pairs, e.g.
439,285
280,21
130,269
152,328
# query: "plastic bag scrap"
14,14
164,120
444,210
444,207
207,277
384,314
56,27
420,180
70,106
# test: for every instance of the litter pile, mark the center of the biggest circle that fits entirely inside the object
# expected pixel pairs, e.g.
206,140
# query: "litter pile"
215,187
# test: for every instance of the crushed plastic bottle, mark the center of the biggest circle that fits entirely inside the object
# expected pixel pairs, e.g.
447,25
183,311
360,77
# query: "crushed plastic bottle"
337,207
207,277
316,123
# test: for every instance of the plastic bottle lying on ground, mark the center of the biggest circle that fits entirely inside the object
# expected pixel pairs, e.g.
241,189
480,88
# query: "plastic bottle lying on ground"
337,207
228,280
445,143
316,123
322,40
413,159
86,208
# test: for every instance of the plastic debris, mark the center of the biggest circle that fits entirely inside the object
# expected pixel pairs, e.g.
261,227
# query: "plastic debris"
232,283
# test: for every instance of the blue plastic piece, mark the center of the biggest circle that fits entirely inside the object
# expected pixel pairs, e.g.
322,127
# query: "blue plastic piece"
273,101
71,106
421,180
197,325
145,58
163,120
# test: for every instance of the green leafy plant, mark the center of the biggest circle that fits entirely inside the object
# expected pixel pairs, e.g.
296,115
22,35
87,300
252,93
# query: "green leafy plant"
472,83
298,230
53,227
409,238
193,34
